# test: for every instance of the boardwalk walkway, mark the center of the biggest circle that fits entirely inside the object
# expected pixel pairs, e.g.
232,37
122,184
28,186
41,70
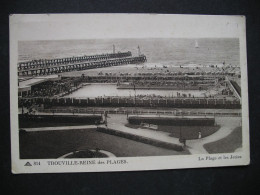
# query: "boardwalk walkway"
196,146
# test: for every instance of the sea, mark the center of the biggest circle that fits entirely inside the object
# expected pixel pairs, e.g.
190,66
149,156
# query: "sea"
163,51
168,51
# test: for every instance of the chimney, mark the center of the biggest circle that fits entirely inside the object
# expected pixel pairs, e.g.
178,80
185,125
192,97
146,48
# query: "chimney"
139,52
114,49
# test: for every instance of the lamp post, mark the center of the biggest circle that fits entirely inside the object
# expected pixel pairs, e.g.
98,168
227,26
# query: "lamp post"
181,139
135,94
135,97
180,135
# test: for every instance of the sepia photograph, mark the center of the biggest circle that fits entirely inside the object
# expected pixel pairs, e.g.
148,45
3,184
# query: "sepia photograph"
122,92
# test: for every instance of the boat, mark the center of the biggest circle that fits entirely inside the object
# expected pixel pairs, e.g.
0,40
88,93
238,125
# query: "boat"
196,44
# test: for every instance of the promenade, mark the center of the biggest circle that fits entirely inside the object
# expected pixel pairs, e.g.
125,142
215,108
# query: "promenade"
117,122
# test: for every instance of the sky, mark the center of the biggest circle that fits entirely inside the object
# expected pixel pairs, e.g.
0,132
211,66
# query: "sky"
103,26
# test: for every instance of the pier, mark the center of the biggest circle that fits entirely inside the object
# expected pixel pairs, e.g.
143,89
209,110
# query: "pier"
77,66
70,60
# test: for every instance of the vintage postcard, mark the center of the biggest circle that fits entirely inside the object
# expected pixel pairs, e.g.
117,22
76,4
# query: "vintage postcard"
125,92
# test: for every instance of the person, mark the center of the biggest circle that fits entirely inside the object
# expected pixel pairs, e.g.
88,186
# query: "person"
199,137
96,123
106,123
184,142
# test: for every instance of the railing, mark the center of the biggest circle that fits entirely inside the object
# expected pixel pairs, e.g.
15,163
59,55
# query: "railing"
135,102
139,112
236,87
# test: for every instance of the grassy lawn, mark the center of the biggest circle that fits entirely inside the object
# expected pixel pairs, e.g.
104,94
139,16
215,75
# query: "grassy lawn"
226,145
187,132
57,120
53,144
32,124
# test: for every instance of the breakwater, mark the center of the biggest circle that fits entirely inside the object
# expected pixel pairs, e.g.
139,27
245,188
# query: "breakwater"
77,66
69,60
